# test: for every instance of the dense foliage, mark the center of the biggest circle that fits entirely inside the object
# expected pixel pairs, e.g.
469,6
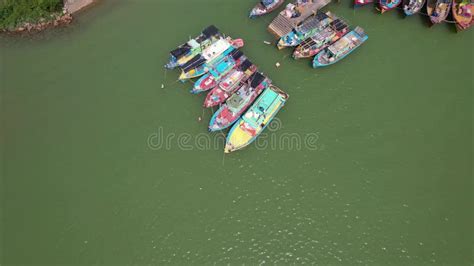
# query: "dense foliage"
13,12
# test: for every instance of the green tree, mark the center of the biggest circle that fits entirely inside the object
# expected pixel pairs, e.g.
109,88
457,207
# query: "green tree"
14,12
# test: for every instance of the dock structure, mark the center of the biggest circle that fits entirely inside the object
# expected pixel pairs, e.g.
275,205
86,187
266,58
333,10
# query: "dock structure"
282,24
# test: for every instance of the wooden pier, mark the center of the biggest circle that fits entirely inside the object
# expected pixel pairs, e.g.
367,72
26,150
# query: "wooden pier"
282,25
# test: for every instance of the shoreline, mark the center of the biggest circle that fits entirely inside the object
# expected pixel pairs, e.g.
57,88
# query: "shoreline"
55,19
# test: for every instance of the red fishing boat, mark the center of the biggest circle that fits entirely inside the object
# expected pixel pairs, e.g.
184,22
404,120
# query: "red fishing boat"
232,82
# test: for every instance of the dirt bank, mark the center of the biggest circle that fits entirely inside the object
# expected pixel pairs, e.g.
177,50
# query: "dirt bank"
74,6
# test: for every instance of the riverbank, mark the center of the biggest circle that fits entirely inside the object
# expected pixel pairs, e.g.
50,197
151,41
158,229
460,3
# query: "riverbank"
30,16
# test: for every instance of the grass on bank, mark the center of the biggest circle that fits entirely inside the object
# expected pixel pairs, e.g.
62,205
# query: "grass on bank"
15,12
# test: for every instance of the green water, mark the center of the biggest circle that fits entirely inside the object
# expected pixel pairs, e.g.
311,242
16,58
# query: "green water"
386,179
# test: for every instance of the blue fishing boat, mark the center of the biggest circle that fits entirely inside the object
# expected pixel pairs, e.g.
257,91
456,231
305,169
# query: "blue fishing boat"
341,48
256,119
212,78
310,27
386,5
188,50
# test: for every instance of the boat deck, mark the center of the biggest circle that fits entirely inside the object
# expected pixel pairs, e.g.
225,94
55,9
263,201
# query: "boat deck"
282,25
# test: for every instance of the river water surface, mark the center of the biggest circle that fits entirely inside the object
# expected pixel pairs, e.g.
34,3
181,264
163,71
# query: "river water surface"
103,166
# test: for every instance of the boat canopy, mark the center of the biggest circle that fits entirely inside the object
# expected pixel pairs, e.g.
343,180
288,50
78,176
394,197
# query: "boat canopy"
236,54
180,51
196,61
245,65
256,79
210,31
338,25
257,114
216,49
312,22
340,45
235,101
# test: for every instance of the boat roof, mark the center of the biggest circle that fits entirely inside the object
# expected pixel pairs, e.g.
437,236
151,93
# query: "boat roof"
338,24
257,78
210,31
256,115
236,54
245,65
234,101
180,51
339,45
216,49
196,61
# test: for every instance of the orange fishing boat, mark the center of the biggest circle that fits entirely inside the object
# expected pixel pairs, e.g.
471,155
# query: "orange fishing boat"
462,14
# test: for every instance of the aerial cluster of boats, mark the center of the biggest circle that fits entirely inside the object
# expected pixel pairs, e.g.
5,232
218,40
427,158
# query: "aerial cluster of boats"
247,100
322,36
437,10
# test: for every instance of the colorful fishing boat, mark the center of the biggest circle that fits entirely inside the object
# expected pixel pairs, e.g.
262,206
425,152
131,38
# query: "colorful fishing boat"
232,82
311,46
341,48
188,50
256,119
386,5
462,14
307,29
411,7
238,102
200,64
220,70
265,6
358,3
438,10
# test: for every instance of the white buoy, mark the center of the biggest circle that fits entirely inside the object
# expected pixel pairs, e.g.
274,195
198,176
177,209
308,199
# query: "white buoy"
278,64
162,86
